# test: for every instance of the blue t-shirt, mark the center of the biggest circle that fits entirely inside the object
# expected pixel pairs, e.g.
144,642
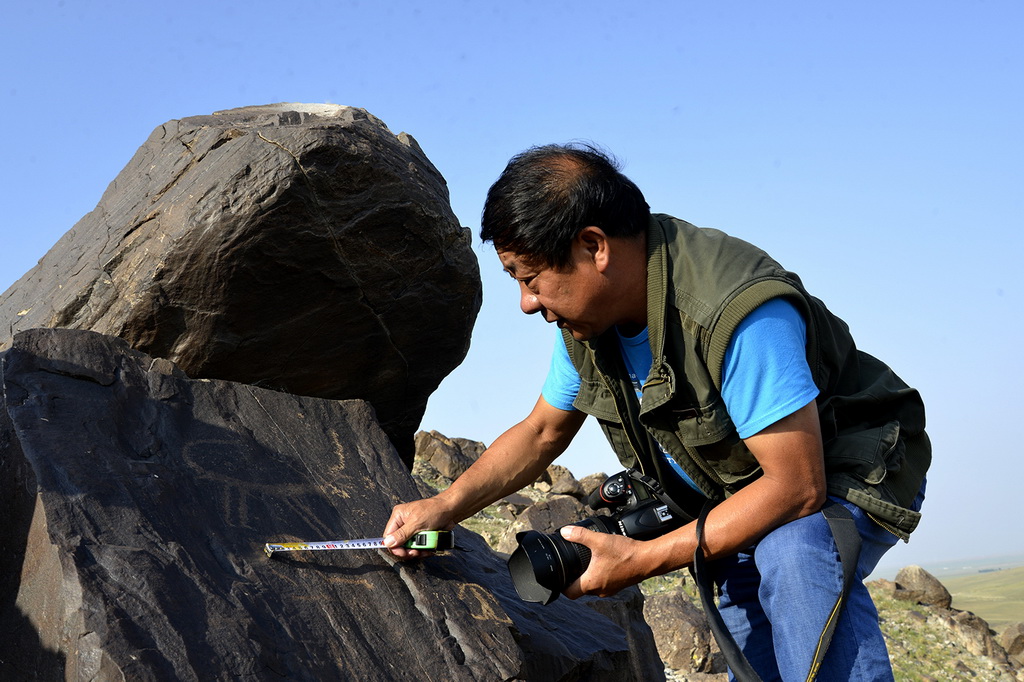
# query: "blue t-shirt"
765,375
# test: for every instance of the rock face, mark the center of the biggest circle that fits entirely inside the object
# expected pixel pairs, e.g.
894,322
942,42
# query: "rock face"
303,248
973,632
626,609
682,633
136,504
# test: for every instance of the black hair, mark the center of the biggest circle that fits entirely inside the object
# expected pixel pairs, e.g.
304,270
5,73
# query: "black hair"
547,194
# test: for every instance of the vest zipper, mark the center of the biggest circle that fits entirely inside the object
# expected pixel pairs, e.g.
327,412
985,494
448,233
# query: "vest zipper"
887,526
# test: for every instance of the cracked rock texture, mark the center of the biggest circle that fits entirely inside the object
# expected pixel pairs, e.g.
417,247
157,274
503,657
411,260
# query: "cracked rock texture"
298,247
136,503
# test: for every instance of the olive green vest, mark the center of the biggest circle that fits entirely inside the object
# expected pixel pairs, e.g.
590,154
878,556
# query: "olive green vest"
700,284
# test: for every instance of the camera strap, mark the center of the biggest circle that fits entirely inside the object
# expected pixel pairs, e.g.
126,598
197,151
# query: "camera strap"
847,539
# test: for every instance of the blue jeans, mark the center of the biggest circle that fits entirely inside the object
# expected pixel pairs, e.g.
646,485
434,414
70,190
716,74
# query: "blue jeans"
776,598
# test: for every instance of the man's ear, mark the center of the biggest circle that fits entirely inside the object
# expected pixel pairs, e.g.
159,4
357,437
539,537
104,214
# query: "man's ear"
593,241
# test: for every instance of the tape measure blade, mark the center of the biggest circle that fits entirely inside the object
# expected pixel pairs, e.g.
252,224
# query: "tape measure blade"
431,540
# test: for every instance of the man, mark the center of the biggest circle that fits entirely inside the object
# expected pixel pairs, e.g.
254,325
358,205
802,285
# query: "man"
711,369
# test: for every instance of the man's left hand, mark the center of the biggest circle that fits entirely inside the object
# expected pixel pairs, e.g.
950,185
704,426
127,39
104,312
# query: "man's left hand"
614,563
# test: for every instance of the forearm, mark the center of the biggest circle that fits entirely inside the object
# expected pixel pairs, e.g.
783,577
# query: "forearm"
792,486
732,526
514,460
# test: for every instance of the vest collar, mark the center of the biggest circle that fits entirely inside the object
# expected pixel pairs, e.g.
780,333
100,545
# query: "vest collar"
660,386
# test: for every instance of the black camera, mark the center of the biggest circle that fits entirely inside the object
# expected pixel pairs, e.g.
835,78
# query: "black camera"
542,566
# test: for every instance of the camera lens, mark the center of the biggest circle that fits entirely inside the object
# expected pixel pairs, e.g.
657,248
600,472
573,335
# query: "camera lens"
543,565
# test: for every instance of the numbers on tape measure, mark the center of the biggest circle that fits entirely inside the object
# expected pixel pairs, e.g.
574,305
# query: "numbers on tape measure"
427,539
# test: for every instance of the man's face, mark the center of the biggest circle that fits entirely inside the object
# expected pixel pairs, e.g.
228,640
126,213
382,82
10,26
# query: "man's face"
568,297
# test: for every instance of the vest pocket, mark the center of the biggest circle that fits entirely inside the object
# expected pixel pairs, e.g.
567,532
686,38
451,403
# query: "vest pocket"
695,425
732,462
595,399
868,454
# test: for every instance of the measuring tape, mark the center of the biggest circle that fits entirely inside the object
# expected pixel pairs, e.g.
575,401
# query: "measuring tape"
427,539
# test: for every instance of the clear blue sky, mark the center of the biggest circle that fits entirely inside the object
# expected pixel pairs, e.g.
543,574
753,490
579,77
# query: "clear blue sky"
873,147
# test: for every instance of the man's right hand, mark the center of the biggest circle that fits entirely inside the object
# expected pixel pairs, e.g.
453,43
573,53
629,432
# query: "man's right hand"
515,459
412,517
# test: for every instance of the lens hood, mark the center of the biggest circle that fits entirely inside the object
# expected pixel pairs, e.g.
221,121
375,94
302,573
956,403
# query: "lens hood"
536,568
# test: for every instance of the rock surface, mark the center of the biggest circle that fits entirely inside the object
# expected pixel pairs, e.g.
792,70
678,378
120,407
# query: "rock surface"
974,634
137,502
626,609
682,633
299,247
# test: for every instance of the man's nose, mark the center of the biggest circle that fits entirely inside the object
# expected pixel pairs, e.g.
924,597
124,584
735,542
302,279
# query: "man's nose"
528,302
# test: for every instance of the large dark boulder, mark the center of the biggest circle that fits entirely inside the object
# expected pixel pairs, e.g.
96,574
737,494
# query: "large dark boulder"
304,248
136,505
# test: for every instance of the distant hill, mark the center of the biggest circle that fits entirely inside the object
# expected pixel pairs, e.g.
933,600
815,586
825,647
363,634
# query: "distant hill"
997,596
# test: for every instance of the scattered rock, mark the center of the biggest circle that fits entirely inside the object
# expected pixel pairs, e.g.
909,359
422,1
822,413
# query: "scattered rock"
886,587
449,456
590,483
304,248
973,632
545,516
511,506
914,584
558,480
917,615
963,669
1012,641
517,501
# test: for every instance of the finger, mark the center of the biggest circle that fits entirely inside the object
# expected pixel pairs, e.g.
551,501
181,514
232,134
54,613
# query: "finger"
397,531
395,543
395,539
399,550
403,554
395,521
580,536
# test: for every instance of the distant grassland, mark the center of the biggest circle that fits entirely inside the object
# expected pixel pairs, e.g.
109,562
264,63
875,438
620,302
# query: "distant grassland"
996,596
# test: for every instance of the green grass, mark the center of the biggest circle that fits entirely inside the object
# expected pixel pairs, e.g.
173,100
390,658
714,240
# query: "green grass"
996,596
